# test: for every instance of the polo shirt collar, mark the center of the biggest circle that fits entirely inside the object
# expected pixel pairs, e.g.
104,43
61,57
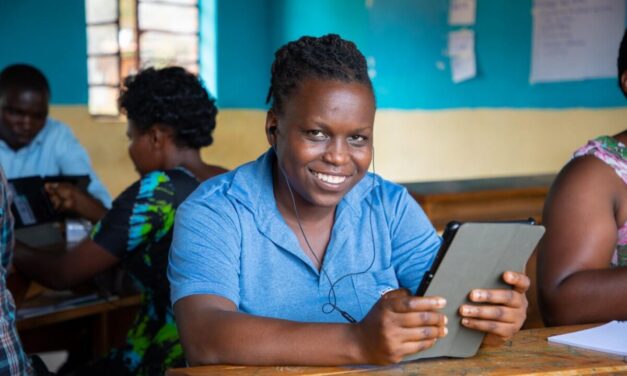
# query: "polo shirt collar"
252,186
38,140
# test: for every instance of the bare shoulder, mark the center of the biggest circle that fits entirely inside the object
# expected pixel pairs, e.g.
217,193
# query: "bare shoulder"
588,176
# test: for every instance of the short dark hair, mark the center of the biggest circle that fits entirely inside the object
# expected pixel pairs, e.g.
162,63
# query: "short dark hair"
23,77
327,57
622,61
174,97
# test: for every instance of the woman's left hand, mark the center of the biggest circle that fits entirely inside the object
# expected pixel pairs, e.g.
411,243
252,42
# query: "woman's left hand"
502,312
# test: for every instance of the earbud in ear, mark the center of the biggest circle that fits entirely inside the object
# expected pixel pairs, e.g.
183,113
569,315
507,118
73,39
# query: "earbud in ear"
272,131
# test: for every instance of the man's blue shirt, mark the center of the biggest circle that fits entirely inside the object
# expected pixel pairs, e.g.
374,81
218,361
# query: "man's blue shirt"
54,151
230,240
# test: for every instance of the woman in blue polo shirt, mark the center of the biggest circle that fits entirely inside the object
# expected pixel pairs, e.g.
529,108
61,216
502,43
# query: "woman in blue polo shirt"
303,257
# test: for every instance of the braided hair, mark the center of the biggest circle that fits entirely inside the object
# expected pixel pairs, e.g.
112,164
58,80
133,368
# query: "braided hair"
328,57
622,60
173,97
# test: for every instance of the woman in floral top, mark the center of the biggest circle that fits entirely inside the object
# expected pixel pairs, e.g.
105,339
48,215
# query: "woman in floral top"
582,259
171,117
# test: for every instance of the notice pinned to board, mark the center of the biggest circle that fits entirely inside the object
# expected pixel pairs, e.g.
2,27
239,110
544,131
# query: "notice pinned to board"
461,50
576,39
462,12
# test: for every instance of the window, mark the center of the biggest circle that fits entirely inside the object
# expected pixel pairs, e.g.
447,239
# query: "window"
126,35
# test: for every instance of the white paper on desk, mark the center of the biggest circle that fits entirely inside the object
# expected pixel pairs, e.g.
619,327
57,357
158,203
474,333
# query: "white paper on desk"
610,338
461,50
462,12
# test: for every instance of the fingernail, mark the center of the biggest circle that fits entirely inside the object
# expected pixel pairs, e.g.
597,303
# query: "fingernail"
441,302
479,295
445,320
465,321
445,332
465,310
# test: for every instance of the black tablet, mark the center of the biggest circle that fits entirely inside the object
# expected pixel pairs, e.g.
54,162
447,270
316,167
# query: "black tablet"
447,238
473,255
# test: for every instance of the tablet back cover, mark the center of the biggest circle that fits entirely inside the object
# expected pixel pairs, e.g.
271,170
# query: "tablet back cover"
477,258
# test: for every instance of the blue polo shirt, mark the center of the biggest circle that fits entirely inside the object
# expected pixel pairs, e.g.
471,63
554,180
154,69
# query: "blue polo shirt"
231,240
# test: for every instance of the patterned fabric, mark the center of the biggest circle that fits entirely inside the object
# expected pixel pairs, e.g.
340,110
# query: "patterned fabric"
138,230
13,360
613,153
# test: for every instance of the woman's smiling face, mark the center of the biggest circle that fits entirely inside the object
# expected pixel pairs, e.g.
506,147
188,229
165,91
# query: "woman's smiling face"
323,138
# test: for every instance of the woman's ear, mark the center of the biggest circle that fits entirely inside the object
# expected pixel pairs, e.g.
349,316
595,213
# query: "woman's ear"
159,135
271,127
623,82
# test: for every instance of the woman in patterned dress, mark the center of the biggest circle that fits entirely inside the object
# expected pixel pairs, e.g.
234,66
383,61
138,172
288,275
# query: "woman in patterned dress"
170,117
582,259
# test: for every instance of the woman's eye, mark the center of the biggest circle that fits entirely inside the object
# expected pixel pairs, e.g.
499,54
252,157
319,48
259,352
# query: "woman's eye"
357,140
316,134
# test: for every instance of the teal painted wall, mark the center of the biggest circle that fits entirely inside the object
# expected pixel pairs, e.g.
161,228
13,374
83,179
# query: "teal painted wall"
51,36
244,52
409,37
404,38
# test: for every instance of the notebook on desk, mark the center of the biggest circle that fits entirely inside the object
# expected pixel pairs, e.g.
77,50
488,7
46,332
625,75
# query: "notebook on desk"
610,338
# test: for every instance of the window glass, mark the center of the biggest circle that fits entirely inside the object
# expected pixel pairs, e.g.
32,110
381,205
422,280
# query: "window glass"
166,17
98,11
103,100
103,70
161,49
181,2
124,35
102,39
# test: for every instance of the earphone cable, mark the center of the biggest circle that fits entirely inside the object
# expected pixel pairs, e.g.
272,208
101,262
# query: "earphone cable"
332,298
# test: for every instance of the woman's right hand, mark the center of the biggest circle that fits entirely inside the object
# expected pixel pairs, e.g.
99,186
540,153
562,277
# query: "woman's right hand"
398,325
66,197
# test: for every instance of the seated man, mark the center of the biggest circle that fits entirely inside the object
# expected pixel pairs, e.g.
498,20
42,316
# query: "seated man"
33,144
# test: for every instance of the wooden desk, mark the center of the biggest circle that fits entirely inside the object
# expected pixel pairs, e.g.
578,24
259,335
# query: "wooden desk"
527,354
482,199
96,307
102,322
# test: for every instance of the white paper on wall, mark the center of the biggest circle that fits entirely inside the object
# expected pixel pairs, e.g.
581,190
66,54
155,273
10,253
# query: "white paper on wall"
462,12
461,50
576,39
